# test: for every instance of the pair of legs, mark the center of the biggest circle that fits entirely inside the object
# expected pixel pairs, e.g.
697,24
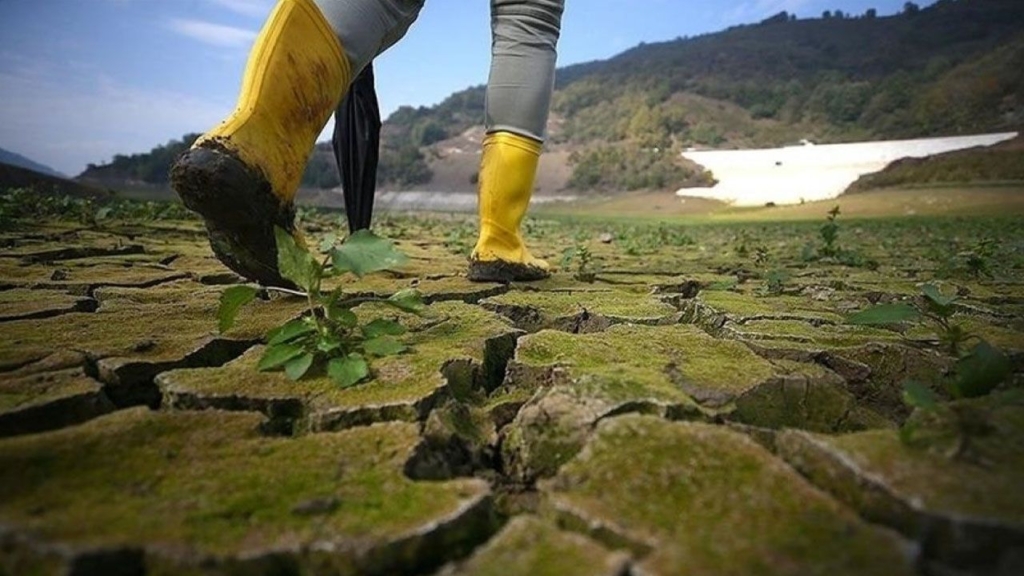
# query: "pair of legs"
242,175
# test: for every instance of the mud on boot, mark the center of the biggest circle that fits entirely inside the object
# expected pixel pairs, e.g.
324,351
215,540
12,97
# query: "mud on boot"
504,272
239,209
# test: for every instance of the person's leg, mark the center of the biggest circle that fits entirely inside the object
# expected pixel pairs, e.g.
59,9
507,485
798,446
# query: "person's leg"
524,37
243,174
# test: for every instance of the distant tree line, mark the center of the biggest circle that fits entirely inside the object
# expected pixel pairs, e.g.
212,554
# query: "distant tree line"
400,165
151,167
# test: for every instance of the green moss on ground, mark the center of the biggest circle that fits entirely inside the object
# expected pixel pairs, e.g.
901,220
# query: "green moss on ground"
794,402
983,484
21,303
205,484
643,361
747,306
799,332
148,325
448,332
614,304
707,500
35,390
530,546
79,275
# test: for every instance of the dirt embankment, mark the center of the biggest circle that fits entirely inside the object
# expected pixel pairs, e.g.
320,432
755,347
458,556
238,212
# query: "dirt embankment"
1000,163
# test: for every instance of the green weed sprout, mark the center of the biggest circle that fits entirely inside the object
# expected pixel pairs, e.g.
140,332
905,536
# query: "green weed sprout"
329,336
978,372
978,262
774,279
580,255
951,427
932,307
830,248
775,282
829,232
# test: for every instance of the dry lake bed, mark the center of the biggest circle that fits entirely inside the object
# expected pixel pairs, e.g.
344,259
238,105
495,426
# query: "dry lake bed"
674,400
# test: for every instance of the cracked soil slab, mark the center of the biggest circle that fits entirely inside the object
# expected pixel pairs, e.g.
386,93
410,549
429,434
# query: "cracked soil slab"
699,499
188,490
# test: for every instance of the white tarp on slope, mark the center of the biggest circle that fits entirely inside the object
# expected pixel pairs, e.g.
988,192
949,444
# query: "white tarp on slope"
791,174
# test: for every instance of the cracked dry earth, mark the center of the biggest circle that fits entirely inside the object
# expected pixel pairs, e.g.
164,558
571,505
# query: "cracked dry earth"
668,418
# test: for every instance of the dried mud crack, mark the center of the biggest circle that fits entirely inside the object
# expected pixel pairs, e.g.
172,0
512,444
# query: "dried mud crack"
670,417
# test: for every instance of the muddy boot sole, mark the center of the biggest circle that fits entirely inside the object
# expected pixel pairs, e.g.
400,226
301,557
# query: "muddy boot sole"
504,272
239,209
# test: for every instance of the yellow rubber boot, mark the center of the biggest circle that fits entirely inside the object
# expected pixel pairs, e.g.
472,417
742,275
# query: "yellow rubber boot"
242,175
507,170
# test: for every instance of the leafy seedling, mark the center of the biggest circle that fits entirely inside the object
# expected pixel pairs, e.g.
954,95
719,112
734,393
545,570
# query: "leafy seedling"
829,232
459,240
775,282
951,428
978,372
329,336
830,248
762,256
742,244
580,255
978,262
932,307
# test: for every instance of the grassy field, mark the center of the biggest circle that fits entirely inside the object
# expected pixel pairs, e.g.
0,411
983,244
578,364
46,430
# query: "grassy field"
953,200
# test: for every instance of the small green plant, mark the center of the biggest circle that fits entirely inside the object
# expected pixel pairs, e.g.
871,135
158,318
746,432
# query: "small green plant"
829,232
538,229
672,236
580,255
932,307
830,248
951,427
459,240
978,262
329,336
761,255
32,204
742,244
774,279
978,372
775,282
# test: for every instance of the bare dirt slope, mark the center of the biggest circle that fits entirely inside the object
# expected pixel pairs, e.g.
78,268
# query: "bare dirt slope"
455,163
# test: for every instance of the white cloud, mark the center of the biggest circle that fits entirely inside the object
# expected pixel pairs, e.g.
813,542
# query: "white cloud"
67,118
214,34
252,8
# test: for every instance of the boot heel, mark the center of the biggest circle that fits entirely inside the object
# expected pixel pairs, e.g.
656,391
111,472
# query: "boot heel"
239,209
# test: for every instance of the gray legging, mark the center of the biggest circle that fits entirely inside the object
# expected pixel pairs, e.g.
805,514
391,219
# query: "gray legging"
524,34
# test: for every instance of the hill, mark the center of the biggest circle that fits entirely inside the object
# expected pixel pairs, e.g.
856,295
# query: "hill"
139,170
999,164
14,159
12,177
955,67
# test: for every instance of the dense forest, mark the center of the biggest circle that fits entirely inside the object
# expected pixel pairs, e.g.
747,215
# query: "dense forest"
954,67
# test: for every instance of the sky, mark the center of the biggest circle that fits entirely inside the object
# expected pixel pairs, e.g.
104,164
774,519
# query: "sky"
82,80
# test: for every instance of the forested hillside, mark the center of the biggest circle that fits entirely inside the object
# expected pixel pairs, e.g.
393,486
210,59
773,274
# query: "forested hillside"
954,67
